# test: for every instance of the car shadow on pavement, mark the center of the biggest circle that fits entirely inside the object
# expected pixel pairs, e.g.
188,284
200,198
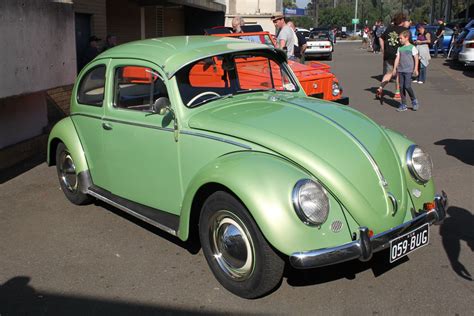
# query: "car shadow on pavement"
346,270
17,297
456,228
462,149
387,99
466,70
192,245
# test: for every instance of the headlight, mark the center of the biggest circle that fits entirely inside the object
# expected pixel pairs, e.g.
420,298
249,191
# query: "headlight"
419,163
311,202
336,90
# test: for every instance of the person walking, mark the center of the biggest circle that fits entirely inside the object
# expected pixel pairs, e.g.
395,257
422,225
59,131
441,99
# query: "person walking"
389,44
300,43
423,40
406,65
439,39
286,36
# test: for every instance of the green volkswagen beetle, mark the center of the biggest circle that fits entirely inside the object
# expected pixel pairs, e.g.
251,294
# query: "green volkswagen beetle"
214,139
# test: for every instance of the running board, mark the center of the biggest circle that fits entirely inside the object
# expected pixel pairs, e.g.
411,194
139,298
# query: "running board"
160,219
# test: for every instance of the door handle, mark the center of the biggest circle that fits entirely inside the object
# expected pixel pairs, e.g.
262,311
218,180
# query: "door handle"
107,126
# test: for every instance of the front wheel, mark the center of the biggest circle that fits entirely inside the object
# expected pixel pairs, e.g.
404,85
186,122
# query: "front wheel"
235,249
68,178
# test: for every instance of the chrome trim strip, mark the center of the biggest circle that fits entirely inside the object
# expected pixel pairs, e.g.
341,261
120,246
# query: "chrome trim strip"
361,145
394,202
133,213
166,129
364,247
220,139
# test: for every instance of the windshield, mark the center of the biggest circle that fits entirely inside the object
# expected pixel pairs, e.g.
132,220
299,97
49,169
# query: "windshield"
220,76
319,35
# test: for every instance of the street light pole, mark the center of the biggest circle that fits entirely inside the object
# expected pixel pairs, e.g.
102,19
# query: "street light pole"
355,17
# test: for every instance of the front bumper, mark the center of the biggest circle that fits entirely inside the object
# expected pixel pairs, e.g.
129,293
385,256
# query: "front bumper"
365,246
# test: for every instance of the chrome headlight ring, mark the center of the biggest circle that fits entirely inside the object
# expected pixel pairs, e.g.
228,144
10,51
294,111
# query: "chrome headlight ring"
311,202
419,164
336,89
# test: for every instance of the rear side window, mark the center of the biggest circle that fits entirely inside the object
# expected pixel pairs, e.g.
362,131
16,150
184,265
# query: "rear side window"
92,87
137,88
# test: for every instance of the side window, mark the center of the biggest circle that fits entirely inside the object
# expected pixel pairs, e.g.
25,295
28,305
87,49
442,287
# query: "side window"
91,89
137,88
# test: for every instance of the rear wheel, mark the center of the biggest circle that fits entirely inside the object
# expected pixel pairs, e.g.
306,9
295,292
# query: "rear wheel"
330,57
235,249
68,178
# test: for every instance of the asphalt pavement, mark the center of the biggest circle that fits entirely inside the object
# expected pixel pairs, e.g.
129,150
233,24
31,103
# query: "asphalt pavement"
60,259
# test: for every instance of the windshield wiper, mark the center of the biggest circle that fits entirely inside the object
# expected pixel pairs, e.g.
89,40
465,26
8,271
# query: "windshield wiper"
256,90
217,97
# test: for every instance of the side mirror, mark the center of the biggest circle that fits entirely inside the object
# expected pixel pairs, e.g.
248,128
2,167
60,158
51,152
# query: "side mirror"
161,106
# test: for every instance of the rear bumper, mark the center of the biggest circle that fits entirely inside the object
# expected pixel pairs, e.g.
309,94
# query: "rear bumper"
343,100
363,248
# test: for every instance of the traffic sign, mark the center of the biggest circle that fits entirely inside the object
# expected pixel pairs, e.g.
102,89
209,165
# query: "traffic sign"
355,21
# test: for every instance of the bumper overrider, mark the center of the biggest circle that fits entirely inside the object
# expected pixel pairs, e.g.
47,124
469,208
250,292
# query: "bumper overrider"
365,246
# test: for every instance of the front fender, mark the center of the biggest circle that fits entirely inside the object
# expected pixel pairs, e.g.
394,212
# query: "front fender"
264,184
424,192
65,132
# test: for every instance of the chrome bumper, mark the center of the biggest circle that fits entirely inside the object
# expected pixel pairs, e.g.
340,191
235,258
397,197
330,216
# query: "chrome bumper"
363,248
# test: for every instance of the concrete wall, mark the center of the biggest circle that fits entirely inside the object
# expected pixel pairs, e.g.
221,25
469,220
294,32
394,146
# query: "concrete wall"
22,118
37,46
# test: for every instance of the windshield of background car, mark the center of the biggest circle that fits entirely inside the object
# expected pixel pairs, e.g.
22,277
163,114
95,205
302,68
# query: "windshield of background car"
225,75
319,35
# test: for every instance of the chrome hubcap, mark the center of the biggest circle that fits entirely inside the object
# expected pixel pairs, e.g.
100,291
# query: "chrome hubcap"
67,172
231,245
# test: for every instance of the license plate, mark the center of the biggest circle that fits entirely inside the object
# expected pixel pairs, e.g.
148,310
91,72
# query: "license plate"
403,245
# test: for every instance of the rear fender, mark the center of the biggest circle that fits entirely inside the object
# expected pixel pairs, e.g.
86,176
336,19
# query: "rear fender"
65,132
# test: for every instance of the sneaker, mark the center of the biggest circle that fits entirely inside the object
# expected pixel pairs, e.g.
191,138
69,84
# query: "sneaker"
420,82
415,81
415,105
402,108
379,95
397,96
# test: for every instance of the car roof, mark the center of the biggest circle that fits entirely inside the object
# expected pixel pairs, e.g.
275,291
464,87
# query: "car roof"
173,53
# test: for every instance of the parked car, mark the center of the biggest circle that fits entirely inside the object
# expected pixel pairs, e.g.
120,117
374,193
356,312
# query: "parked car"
315,77
320,44
304,32
448,33
252,167
463,50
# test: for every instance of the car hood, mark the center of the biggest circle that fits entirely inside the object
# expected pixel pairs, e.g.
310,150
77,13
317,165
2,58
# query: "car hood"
347,152
305,72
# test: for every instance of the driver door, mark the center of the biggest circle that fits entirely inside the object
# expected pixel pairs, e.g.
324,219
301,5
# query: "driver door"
139,146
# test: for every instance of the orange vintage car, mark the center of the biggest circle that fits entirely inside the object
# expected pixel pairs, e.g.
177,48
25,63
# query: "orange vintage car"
315,77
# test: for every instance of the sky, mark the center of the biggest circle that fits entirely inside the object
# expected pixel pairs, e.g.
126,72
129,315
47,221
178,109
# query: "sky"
302,3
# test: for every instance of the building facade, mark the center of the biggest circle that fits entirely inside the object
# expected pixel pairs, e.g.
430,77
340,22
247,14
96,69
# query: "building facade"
254,12
43,40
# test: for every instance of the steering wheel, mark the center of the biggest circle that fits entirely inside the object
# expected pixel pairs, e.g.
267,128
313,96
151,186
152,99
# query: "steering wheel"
201,95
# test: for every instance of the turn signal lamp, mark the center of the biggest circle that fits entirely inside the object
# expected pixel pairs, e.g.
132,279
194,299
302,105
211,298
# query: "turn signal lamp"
371,233
429,206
